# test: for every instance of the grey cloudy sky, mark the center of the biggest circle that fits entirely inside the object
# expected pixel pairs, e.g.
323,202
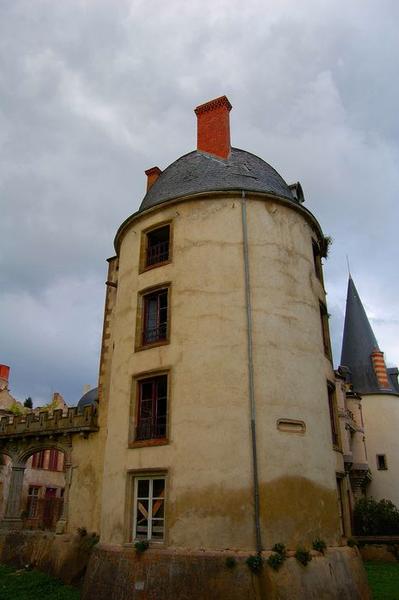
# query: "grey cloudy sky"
94,92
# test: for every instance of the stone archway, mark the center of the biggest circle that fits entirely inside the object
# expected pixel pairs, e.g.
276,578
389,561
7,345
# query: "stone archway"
22,436
19,452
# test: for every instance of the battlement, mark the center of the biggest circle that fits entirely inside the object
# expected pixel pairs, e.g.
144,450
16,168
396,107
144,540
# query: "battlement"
45,423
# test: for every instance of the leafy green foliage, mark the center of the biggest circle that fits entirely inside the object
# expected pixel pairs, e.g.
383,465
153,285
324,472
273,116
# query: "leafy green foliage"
280,549
375,518
254,563
327,243
16,409
319,545
141,546
351,542
31,585
230,562
275,560
303,556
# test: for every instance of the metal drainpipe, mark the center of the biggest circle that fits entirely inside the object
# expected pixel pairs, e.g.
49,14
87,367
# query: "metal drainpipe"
251,373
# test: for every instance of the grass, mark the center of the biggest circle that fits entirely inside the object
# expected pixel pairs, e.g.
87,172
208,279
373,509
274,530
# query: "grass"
33,585
383,579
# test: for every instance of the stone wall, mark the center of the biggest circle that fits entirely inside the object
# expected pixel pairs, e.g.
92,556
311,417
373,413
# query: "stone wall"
63,556
162,575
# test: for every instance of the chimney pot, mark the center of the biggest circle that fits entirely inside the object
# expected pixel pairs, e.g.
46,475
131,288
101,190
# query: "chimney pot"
4,372
152,176
213,127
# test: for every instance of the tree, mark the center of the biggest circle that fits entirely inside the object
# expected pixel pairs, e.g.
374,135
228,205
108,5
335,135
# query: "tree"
376,518
28,403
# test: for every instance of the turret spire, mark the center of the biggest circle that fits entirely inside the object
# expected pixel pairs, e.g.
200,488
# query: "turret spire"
360,351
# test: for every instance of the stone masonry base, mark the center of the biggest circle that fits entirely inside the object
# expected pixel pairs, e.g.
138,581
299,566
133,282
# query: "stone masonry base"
122,574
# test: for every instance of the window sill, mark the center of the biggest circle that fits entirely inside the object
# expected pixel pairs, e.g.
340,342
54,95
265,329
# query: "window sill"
152,544
155,266
145,443
153,345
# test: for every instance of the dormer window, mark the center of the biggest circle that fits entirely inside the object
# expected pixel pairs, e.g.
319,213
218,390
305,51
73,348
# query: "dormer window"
156,247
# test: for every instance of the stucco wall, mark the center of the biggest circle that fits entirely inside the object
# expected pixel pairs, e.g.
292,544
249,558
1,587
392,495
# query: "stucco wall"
381,420
208,458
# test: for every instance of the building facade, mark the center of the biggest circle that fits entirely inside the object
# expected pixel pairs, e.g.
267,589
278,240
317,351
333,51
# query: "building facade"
368,377
216,365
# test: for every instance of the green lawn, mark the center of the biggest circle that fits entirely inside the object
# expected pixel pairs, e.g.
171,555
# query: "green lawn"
33,585
383,580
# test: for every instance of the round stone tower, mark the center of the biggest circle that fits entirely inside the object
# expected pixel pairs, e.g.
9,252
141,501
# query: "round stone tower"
216,365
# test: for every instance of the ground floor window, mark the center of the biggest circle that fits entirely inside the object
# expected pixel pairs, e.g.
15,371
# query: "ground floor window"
44,506
33,498
149,508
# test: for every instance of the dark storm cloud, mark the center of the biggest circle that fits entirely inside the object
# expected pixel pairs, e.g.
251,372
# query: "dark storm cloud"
93,93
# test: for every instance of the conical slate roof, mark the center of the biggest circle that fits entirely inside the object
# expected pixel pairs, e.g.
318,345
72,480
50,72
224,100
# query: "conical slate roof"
358,343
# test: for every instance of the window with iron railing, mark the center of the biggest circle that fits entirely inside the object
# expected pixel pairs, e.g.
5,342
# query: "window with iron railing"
155,317
152,407
157,246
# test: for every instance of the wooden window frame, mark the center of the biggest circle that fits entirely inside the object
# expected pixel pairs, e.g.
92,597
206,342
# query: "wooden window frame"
141,317
32,514
334,423
130,506
325,330
135,409
143,267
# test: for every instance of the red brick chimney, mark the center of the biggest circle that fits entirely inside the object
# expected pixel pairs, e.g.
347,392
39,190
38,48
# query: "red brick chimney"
4,374
152,176
213,127
377,358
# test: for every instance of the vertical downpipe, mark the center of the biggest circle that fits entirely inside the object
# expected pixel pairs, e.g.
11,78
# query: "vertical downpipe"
251,373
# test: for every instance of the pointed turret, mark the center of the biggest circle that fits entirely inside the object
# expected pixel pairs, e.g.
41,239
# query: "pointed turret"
360,350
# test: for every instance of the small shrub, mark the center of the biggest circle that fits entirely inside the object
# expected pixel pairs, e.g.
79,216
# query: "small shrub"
275,560
303,556
319,545
141,546
352,543
327,242
230,562
254,563
16,409
280,549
